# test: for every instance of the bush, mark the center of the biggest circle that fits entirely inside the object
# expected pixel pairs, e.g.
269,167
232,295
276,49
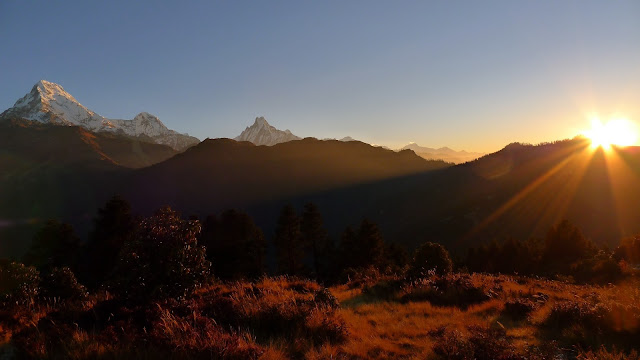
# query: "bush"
19,284
479,343
450,290
322,327
604,354
200,337
163,259
520,308
61,284
601,269
567,313
453,345
325,298
491,343
355,278
430,256
273,308
595,322
629,250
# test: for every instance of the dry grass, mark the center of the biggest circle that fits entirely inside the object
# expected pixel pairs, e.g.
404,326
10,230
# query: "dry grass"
412,327
460,316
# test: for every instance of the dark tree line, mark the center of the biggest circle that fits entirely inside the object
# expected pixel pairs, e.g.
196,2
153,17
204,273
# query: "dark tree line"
165,255
303,247
563,251
235,245
230,242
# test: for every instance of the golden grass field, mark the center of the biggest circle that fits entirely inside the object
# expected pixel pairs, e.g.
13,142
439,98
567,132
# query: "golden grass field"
457,316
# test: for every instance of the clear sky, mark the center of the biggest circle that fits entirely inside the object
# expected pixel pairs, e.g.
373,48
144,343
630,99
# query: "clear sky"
472,75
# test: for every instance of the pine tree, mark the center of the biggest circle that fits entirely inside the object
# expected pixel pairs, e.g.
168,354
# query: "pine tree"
314,236
566,244
348,246
235,245
371,244
113,226
362,248
395,256
288,242
430,257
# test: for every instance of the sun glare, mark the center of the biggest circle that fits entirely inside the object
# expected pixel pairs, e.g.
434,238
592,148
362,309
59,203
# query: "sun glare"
619,132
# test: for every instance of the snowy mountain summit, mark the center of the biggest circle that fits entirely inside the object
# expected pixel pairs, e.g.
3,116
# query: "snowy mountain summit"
49,103
261,133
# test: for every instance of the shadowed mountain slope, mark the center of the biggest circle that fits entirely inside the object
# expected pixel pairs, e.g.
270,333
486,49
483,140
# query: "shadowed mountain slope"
36,144
224,173
61,171
520,191
72,172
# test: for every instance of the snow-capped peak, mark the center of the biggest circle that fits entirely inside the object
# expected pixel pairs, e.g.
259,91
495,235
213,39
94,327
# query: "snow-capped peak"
51,92
48,102
261,121
144,118
48,90
261,133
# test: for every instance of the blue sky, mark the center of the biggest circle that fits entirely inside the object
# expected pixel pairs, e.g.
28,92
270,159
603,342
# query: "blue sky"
472,75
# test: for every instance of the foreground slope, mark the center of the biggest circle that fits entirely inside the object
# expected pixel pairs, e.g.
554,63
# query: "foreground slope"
459,316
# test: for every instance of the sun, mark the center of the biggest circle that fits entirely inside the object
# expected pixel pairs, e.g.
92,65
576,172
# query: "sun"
618,132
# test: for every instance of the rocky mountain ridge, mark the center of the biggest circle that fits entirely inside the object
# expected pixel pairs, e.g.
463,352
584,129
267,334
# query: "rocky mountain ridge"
262,133
49,103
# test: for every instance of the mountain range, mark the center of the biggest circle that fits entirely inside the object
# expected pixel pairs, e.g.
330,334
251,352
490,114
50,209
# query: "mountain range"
49,103
519,191
443,153
262,133
68,172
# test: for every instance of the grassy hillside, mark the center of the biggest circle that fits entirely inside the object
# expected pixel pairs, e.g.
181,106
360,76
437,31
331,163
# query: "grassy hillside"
459,316
171,287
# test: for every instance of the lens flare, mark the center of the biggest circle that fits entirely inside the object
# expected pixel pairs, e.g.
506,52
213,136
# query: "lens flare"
618,132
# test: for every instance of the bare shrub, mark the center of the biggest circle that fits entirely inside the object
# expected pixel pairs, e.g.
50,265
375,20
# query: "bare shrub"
61,284
519,308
